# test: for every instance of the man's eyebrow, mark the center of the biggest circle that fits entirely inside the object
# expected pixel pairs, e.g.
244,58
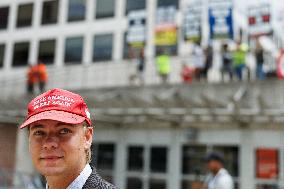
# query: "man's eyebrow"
36,127
60,124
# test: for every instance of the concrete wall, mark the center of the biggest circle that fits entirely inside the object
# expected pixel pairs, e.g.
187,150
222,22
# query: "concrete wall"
8,138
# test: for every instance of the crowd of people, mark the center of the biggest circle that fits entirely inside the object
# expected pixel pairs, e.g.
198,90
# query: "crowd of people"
233,63
199,61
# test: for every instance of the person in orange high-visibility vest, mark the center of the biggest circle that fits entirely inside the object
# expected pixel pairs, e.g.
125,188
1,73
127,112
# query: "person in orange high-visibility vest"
31,79
42,76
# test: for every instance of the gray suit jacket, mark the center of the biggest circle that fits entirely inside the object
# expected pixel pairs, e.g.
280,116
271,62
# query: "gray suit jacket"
95,181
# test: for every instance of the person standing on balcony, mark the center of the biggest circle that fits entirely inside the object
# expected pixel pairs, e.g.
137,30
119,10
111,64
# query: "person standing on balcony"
141,66
163,66
42,76
259,61
239,59
227,67
31,79
219,178
60,135
198,60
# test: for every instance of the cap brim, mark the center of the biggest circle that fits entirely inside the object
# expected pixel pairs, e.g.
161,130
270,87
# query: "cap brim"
55,115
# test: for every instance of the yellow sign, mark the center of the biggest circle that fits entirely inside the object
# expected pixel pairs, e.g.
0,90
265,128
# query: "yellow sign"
165,36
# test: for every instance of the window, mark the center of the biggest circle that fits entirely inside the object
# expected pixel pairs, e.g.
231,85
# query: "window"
77,10
73,50
4,15
135,158
47,51
192,160
267,186
231,156
157,184
135,5
128,50
103,159
2,53
49,12
25,15
134,183
105,8
21,54
158,160
102,47
193,165
163,3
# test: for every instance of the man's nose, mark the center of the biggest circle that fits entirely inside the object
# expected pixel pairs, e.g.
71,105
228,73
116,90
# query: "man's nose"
50,142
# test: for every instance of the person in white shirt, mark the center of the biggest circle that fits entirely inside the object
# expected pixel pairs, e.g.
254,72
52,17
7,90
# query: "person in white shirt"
219,178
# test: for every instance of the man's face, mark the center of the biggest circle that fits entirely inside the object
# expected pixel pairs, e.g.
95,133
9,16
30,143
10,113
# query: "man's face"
213,166
58,148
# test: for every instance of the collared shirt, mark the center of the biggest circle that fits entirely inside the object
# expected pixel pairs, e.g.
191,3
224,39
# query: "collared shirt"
222,180
79,182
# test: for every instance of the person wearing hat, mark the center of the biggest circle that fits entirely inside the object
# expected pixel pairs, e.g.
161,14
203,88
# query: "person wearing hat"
60,138
219,178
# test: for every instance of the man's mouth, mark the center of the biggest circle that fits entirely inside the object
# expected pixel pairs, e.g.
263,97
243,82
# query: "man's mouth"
51,158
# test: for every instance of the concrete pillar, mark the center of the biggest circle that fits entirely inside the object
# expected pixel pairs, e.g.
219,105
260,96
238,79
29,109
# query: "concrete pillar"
23,162
246,161
120,160
174,163
118,34
150,33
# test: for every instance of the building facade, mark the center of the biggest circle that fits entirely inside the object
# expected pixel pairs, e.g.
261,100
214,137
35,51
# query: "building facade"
83,42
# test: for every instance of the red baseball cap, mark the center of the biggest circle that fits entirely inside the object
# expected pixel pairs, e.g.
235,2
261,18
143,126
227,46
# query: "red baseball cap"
59,105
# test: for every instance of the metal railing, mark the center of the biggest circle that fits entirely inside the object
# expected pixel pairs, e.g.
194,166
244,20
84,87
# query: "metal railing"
98,75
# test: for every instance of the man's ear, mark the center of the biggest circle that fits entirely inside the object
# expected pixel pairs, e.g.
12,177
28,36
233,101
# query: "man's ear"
89,136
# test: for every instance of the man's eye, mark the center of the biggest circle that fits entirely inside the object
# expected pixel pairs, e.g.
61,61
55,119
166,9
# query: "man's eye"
38,133
65,131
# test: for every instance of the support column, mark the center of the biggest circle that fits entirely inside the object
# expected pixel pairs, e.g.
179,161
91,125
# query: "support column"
246,161
174,163
120,160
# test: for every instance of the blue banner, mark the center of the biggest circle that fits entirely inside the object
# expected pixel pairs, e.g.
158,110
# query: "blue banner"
221,22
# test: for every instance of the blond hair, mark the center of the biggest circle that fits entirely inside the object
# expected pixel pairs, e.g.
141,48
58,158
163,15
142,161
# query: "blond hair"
89,150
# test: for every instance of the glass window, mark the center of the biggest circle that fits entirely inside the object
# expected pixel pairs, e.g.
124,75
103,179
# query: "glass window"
134,183
157,184
49,12
73,50
158,159
77,10
192,160
25,15
2,53
135,158
105,156
135,5
186,184
102,47
105,8
231,156
129,51
267,186
4,15
162,3
47,51
21,54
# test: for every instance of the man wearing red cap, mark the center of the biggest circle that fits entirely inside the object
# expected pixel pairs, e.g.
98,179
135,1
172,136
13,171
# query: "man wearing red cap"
60,138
